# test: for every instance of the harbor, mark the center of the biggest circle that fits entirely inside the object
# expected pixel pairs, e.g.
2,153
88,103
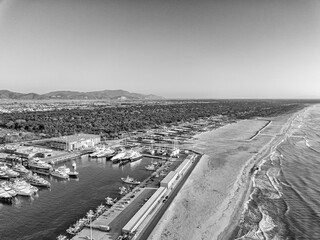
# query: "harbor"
149,172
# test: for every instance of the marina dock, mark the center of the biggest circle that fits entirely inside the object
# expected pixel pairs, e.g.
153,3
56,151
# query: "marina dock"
117,216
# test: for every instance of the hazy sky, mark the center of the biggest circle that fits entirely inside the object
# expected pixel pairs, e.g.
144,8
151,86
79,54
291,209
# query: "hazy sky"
173,48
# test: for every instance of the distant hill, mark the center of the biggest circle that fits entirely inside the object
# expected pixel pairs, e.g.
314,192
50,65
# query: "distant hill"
105,94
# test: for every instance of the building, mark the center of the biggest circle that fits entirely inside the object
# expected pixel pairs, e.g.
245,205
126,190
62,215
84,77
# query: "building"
75,142
143,212
183,167
169,179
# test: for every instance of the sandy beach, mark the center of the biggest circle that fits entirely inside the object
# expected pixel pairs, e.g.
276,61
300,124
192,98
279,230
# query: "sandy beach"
210,203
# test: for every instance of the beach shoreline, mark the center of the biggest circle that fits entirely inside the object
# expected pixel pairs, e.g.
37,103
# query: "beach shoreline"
220,202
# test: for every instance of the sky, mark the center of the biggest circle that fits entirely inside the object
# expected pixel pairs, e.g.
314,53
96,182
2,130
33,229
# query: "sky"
171,48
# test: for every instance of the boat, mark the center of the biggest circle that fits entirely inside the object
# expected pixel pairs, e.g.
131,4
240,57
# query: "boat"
39,166
6,186
110,201
35,180
118,157
135,156
74,173
108,152
20,169
124,161
3,175
62,237
5,196
9,172
123,190
150,167
59,174
64,169
130,180
23,188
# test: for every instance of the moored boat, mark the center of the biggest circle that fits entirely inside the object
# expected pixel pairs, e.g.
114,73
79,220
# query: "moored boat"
59,174
20,169
37,181
130,180
150,167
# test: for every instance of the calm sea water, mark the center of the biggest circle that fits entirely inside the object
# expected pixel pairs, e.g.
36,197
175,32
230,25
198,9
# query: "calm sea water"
51,212
285,202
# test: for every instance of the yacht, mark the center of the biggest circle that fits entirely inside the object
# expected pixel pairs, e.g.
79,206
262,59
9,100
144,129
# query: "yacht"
108,152
37,181
64,169
20,169
8,189
23,188
39,164
130,180
118,157
135,156
5,196
9,172
3,175
59,174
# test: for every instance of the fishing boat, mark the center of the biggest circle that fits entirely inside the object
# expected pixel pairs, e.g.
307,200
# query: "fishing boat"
130,180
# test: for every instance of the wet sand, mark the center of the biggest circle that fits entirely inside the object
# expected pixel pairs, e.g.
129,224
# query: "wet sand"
210,203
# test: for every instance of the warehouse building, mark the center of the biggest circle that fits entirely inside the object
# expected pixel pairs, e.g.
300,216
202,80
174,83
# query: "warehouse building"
183,167
75,142
169,179
141,215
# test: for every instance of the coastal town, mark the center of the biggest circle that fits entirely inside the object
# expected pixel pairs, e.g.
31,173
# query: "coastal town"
29,165
134,205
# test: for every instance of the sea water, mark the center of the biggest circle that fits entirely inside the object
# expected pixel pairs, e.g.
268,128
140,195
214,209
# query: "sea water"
285,200
51,211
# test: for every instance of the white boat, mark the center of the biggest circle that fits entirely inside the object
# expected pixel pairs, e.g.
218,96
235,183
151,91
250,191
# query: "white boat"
64,169
8,189
130,180
37,181
105,153
3,175
59,174
118,157
5,196
9,172
150,167
20,169
110,201
39,164
135,156
23,188
74,173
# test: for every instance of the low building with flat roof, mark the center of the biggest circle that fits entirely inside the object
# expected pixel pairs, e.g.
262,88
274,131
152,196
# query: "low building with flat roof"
183,167
141,215
75,142
169,179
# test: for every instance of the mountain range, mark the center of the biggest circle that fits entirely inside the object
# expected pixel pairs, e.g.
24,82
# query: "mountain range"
74,95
